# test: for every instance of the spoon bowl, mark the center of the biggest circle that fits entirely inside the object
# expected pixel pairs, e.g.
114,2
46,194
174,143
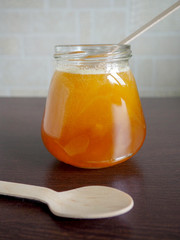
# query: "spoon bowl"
91,202
83,203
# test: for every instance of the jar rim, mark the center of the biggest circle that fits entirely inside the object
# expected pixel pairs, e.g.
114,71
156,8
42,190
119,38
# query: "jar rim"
92,52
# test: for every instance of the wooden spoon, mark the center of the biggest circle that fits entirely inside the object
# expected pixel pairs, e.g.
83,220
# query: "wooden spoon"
141,30
85,202
151,23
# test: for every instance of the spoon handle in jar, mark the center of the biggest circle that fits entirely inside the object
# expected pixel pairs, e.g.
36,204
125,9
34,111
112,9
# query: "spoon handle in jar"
23,191
151,23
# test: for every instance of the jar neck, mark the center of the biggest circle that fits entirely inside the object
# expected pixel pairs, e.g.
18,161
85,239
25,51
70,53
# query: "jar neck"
92,53
102,57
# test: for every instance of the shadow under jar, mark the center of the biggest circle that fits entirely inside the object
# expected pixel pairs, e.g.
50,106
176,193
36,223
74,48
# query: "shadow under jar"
93,116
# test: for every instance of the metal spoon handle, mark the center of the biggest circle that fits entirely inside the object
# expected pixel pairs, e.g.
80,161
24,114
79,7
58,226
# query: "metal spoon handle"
24,191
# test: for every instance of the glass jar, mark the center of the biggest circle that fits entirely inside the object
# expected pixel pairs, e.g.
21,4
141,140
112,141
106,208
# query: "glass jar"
93,116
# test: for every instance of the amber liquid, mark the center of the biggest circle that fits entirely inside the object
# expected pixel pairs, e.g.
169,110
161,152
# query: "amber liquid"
93,120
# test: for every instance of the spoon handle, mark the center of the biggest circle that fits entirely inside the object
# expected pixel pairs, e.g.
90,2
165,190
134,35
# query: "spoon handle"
151,23
24,191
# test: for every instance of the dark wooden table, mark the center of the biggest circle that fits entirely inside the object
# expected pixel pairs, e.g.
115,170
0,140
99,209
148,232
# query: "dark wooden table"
152,178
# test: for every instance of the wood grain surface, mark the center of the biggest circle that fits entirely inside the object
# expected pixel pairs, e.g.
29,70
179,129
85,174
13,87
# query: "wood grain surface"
151,177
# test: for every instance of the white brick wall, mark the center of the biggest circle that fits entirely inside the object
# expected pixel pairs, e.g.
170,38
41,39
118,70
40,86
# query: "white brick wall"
29,29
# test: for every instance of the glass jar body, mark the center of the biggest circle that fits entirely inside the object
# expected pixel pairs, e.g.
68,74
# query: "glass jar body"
93,116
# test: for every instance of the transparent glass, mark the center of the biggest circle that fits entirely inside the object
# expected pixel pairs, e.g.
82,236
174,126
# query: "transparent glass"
93,116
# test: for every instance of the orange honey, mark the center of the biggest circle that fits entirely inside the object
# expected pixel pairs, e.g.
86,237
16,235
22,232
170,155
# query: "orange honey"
93,119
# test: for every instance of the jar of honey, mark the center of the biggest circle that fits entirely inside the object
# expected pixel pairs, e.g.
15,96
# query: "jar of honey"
93,116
